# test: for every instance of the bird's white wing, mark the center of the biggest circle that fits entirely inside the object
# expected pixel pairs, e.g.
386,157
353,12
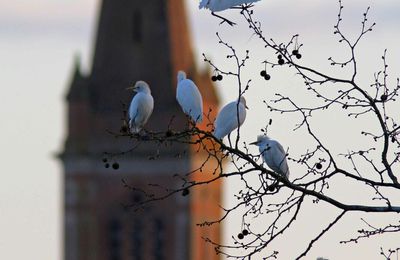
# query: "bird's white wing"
224,124
189,98
140,110
227,120
278,157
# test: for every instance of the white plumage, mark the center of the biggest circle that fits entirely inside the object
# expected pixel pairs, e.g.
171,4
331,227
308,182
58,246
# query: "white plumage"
227,118
273,154
189,98
220,5
141,107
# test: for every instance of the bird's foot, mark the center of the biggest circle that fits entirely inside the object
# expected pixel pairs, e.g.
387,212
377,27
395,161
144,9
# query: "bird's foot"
246,6
224,20
243,7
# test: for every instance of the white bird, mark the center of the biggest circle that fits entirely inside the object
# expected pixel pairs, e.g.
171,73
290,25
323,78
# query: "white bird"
220,5
227,118
141,106
189,98
273,154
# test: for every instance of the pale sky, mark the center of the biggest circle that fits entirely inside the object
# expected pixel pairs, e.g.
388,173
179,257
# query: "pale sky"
38,41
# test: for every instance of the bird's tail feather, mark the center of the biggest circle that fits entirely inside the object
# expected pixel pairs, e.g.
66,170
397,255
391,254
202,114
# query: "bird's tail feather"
203,4
133,128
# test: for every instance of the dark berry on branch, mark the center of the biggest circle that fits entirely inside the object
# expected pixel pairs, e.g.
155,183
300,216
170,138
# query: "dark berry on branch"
240,236
104,159
185,192
271,188
115,166
295,52
168,133
279,57
263,73
214,78
124,129
245,232
219,77
298,56
281,62
318,166
107,165
384,98
267,77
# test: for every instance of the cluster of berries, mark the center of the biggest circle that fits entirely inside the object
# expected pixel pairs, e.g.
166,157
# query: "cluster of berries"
265,75
318,166
185,192
218,77
115,165
244,232
281,61
297,54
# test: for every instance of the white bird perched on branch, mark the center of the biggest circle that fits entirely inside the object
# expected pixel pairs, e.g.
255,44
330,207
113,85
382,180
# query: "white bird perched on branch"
273,154
141,107
221,5
230,117
189,98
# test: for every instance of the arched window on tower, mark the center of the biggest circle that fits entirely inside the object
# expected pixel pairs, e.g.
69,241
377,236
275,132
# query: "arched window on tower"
115,238
137,240
137,27
159,241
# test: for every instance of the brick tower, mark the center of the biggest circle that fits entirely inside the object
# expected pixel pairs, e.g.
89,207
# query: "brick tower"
136,40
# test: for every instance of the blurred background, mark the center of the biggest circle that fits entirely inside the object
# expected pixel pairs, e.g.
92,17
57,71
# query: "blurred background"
38,43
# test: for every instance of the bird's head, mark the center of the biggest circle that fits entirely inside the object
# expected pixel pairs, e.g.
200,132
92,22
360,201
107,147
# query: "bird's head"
261,139
242,100
181,75
141,86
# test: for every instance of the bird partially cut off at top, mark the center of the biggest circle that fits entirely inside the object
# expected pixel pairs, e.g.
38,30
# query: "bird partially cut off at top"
189,98
141,106
230,117
273,154
221,5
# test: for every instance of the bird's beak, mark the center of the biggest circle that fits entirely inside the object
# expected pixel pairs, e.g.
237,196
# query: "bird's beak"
254,143
246,107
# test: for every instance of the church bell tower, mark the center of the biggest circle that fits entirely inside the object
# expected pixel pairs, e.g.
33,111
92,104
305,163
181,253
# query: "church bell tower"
136,40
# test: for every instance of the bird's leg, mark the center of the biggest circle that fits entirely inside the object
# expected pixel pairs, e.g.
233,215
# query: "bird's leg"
192,126
229,140
224,20
143,134
188,122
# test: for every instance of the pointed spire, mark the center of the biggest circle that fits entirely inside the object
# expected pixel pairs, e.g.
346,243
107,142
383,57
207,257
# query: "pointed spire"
79,88
77,63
